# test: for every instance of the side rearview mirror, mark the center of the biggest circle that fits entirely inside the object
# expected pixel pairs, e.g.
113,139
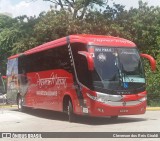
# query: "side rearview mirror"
151,60
89,59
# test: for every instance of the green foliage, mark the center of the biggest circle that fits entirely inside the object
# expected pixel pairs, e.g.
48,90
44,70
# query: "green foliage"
153,83
8,35
140,25
77,8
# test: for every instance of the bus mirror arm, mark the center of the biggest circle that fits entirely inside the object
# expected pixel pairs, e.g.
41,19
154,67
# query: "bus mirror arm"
151,59
89,59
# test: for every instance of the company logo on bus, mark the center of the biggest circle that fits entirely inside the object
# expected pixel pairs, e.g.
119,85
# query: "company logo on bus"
124,103
53,80
101,57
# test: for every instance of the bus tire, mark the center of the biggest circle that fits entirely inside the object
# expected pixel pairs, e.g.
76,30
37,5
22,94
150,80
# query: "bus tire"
21,108
71,115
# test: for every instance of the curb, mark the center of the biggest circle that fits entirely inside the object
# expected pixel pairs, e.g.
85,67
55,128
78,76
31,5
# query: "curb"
153,108
8,106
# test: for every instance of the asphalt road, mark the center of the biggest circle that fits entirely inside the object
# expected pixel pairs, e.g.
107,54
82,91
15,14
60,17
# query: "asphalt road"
12,120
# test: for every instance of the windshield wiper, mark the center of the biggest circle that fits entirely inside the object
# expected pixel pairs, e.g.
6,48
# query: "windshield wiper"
117,62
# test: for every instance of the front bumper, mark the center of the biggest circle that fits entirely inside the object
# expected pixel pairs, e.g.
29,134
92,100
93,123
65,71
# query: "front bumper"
102,110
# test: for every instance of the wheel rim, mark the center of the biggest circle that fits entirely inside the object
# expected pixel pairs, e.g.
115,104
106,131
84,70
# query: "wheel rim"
70,111
19,103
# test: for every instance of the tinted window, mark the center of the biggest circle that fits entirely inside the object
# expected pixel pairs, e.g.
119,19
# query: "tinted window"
84,75
56,58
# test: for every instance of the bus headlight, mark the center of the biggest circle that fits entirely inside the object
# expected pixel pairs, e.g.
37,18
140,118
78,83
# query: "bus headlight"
143,99
105,98
102,97
91,96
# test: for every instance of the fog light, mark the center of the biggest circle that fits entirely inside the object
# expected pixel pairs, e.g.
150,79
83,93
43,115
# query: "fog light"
85,101
143,99
100,110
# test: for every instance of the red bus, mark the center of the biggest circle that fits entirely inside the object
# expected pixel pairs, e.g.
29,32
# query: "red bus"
80,74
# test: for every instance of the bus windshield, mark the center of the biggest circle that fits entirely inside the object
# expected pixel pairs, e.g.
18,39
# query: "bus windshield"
117,68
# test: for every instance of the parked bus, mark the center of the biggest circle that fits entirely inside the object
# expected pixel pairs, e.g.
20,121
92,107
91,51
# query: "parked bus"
80,74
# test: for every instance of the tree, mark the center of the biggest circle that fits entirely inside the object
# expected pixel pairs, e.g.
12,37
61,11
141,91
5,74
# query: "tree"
8,35
16,36
27,39
78,8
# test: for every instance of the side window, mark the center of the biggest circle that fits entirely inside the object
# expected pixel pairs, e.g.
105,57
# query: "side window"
81,64
33,62
12,73
12,67
55,58
64,59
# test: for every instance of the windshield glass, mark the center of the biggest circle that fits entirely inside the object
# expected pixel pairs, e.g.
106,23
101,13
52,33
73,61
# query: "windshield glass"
117,68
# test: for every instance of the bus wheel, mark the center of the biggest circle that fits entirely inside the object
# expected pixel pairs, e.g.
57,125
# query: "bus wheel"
114,117
21,108
71,116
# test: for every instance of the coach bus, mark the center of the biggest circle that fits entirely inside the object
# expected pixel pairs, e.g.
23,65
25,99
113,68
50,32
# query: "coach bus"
80,75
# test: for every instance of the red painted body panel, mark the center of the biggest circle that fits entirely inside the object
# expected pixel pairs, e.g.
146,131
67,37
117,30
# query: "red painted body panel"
88,39
106,40
46,90
134,97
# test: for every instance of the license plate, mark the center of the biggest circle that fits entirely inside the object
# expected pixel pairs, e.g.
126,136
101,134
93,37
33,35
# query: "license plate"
123,111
